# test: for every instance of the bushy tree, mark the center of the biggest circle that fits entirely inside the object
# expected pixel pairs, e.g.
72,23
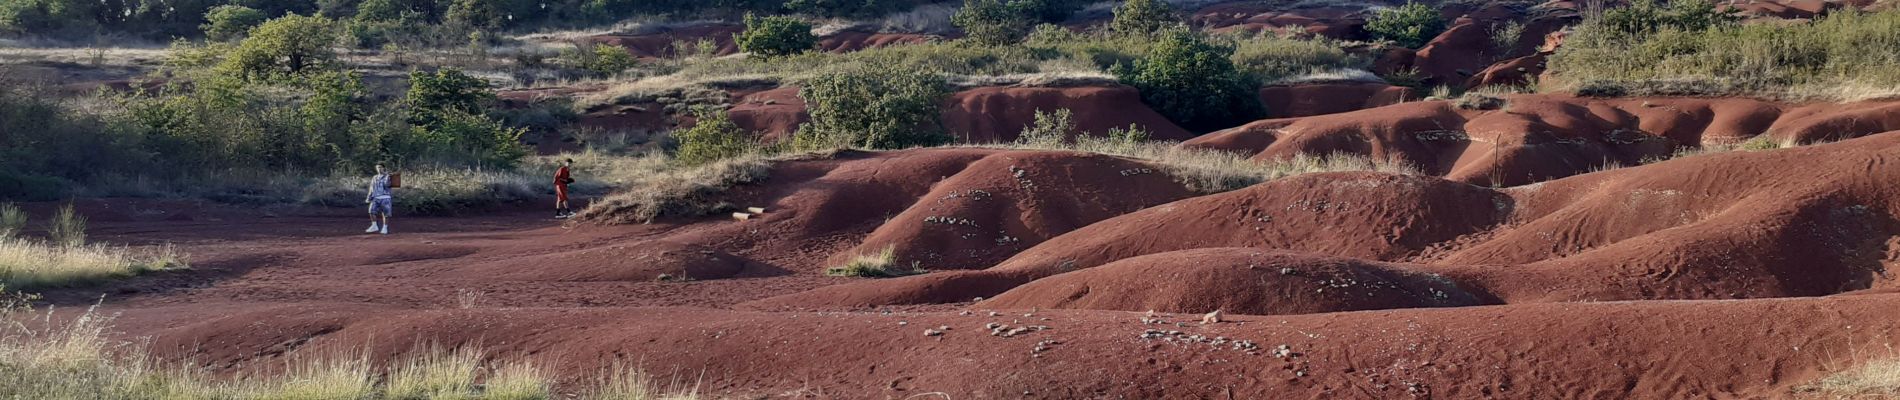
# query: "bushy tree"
231,21
1412,25
1143,17
775,36
608,59
866,106
445,91
1051,11
283,47
991,22
488,141
1193,82
713,137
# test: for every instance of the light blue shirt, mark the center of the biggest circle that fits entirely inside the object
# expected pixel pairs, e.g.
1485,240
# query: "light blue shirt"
379,187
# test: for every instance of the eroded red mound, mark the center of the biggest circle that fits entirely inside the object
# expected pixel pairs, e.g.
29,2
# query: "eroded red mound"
1534,138
1239,281
1011,201
999,114
1329,98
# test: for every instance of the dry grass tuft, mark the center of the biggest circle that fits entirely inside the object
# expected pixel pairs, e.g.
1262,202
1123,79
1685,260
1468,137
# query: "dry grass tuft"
877,265
1212,171
1877,379
45,357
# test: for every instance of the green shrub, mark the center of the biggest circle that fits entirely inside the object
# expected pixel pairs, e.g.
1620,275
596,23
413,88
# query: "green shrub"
775,36
991,22
610,59
231,21
1050,129
487,141
1412,25
1270,58
447,90
713,137
1193,82
283,47
874,107
1644,17
1822,59
1143,17
1050,11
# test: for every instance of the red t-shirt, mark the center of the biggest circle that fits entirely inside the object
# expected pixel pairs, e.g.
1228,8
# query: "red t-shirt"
560,177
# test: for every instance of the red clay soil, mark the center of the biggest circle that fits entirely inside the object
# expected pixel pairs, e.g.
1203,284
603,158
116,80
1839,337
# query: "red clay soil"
1589,350
850,40
1810,221
1330,98
1541,137
1239,281
999,113
1012,201
1466,48
774,114
660,44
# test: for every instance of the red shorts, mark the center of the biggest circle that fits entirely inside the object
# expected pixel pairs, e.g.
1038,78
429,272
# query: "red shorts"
560,193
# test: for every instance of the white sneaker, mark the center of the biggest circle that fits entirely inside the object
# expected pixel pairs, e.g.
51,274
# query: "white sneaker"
372,228
385,229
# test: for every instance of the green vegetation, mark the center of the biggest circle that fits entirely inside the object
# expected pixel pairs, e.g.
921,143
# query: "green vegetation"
713,137
992,22
42,357
872,107
1689,49
879,265
774,36
411,22
1050,129
1143,17
1193,82
1412,25
283,48
231,21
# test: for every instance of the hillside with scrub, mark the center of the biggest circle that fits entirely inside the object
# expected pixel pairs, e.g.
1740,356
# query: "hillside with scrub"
948,198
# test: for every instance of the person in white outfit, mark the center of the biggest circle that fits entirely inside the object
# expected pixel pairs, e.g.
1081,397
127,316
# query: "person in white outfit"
379,201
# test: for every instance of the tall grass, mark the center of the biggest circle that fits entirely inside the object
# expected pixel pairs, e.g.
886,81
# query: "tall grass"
12,220
1213,171
68,228
46,357
1843,56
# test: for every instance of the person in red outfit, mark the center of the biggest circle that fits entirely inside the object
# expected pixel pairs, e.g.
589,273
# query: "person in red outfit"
561,179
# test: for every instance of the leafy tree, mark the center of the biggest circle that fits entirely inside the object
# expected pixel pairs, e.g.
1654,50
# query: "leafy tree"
865,106
775,36
1143,17
283,47
1412,25
481,14
991,22
1193,82
231,21
713,137
446,91
1051,11
487,140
